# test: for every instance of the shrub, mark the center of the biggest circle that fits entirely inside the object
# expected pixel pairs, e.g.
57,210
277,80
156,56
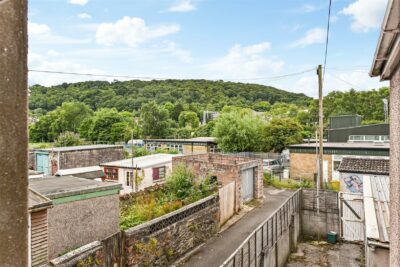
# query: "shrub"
181,182
68,139
286,183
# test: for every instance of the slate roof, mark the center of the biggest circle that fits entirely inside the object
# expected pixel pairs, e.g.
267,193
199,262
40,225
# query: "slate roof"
364,165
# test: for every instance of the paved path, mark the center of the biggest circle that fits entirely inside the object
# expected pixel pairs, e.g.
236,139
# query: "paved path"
216,250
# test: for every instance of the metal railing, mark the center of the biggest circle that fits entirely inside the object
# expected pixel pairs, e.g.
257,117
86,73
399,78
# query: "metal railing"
258,244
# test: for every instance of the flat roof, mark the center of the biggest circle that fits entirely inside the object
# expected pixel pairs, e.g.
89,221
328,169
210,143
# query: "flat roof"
142,162
191,140
345,145
77,148
63,186
37,201
365,165
377,219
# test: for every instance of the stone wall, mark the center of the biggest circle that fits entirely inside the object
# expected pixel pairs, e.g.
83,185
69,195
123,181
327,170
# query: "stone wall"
162,241
77,223
90,255
316,223
304,166
226,169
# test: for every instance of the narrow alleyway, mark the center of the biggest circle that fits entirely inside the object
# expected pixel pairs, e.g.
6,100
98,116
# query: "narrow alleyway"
219,248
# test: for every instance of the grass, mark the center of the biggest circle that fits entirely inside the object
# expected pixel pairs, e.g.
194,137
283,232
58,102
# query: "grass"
286,183
40,145
180,190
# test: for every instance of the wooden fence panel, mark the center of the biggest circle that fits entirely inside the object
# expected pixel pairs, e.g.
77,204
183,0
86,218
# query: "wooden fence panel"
227,202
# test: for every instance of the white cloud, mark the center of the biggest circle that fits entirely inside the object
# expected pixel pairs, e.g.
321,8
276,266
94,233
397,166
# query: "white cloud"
356,79
41,34
131,32
174,50
53,53
78,2
366,14
313,36
182,6
245,62
41,62
37,28
84,16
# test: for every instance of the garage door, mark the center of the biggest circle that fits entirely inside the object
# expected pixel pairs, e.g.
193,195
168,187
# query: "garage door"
248,184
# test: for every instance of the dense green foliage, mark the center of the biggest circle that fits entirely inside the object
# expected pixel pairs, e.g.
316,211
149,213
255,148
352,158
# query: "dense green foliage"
68,139
131,95
253,117
180,189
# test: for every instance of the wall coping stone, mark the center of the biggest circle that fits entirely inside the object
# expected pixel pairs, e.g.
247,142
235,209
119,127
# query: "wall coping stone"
91,247
139,228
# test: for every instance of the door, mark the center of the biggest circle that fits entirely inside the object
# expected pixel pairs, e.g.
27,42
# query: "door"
42,163
352,216
248,184
226,202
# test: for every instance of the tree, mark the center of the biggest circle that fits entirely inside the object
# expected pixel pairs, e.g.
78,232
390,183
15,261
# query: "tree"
238,132
68,139
154,121
280,133
262,106
188,119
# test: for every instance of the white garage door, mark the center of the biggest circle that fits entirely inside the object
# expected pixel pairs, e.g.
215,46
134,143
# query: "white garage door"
248,184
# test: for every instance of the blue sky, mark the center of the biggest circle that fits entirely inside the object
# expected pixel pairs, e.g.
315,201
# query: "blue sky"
237,40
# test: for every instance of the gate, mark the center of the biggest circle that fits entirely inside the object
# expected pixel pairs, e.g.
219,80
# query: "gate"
352,216
247,184
113,248
226,202
42,163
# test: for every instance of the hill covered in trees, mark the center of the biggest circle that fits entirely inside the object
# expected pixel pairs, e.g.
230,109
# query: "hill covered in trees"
131,95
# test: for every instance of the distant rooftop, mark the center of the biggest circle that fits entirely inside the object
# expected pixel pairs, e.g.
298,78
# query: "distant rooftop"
64,186
365,165
77,148
142,162
345,145
191,140
91,172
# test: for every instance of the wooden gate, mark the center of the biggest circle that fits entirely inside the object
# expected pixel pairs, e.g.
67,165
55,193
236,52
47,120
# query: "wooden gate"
226,202
352,216
113,247
248,184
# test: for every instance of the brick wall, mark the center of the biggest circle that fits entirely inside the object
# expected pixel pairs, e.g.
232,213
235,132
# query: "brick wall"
304,166
226,169
77,223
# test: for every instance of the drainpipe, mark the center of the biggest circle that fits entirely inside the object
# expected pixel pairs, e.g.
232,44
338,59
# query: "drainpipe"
13,133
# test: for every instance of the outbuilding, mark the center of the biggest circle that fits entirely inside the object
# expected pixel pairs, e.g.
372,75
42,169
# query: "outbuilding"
51,160
136,174
83,211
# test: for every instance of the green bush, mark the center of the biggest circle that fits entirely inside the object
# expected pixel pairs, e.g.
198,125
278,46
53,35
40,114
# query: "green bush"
286,183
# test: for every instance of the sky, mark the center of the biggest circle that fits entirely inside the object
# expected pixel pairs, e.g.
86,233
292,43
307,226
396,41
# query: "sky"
251,41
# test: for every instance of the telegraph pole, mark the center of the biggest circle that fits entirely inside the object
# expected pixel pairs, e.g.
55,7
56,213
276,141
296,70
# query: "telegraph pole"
321,129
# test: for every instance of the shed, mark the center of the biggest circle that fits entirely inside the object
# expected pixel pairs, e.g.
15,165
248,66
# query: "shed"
84,211
353,170
140,172
51,160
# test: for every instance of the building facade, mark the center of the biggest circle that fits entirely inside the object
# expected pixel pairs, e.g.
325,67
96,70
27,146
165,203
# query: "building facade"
183,146
51,160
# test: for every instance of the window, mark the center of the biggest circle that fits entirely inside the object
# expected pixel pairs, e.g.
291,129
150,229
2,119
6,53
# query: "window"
111,173
129,178
336,165
158,173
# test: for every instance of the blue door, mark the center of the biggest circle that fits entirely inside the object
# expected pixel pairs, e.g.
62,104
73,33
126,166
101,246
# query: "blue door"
42,163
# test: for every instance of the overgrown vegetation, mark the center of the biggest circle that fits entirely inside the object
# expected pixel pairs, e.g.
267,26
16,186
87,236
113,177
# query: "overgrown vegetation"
286,183
180,189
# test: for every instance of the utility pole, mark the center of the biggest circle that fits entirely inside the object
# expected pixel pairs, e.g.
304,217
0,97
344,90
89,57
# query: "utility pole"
321,128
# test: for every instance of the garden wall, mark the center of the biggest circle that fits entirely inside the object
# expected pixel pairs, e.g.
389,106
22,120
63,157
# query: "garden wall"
159,242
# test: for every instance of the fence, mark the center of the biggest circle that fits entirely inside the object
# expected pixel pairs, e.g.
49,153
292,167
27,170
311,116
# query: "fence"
226,202
263,241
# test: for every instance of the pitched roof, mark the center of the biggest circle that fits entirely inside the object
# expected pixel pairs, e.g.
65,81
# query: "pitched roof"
364,165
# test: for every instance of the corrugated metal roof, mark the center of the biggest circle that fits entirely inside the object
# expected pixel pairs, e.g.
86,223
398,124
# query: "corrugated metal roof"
142,162
365,165
77,148
377,220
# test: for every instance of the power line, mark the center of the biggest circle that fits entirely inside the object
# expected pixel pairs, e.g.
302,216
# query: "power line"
274,78
327,39
348,83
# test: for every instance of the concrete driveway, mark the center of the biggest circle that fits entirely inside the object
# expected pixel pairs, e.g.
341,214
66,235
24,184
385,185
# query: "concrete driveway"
216,250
